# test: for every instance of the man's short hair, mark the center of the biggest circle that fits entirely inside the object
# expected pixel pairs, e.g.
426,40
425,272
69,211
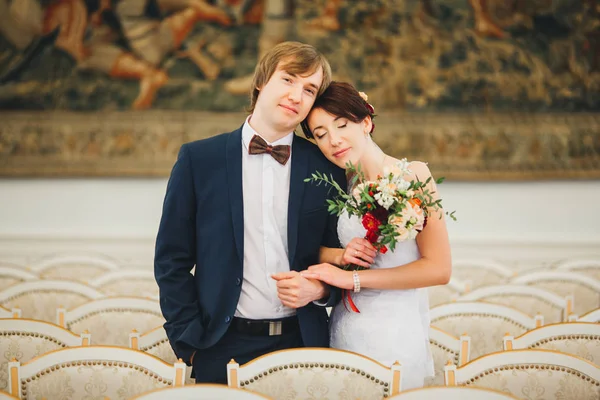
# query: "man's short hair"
297,59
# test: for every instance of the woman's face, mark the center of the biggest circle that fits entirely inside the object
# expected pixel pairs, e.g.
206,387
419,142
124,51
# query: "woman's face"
338,138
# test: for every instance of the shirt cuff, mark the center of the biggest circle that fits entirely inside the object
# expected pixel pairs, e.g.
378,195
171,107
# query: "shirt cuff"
321,302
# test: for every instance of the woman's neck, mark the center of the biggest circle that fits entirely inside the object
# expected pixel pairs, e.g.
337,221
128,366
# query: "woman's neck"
372,162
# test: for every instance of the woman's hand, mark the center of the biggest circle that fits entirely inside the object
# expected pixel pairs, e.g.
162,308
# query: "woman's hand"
359,252
331,275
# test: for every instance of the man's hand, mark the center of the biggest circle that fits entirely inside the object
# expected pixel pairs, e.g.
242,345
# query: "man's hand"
295,291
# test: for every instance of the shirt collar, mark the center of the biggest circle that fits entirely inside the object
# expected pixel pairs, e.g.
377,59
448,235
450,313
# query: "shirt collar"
248,132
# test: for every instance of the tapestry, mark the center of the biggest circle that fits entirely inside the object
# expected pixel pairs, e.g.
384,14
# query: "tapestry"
496,89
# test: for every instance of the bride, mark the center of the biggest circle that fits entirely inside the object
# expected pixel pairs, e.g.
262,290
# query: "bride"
393,322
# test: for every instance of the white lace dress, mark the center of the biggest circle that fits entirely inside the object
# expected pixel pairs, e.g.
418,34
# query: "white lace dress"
393,325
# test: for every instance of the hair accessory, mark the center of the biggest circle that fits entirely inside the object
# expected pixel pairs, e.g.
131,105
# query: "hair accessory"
371,109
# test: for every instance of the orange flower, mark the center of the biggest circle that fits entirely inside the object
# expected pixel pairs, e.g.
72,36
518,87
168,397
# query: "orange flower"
415,201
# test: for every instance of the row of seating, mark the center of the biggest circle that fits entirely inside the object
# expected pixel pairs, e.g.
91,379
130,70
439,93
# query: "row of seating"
39,299
99,270
104,371
25,339
110,318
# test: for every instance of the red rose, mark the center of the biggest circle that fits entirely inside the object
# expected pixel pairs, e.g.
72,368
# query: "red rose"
383,249
370,222
372,236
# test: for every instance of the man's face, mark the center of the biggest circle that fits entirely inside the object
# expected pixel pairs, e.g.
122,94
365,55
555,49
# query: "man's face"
285,100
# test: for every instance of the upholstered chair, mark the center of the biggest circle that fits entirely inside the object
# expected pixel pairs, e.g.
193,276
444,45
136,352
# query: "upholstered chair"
481,272
201,391
156,342
589,267
41,298
316,372
581,339
127,282
112,318
528,299
453,393
485,323
584,289
444,347
92,372
449,292
11,274
592,316
24,339
78,267
530,374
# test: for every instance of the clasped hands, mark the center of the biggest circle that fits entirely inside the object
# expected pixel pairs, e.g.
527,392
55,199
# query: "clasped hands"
297,289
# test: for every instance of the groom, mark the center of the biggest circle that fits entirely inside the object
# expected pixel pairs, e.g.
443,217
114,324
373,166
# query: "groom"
238,209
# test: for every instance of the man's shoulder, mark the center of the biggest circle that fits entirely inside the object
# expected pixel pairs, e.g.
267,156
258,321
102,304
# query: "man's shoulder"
209,144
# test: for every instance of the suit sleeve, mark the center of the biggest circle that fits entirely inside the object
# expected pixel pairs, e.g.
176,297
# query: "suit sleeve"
174,258
330,238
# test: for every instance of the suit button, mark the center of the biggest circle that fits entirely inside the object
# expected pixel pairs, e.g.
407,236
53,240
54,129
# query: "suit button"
227,319
238,281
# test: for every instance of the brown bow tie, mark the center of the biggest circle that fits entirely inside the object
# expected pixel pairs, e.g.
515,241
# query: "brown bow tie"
281,153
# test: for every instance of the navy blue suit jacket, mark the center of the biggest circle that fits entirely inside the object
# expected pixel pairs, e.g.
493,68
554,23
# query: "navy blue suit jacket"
203,225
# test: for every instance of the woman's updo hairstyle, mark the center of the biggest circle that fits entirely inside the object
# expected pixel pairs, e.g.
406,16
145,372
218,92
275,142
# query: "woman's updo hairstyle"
342,100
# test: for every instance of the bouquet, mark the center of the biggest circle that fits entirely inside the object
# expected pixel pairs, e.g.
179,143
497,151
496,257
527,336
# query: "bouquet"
391,208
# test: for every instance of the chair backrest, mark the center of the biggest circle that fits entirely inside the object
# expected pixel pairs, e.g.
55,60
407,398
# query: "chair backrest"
24,339
482,272
40,299
79,267
153,342
157,343
484,322
93,371
127,282
585,289
11,274
112,318
294,373
592,316
453,393
201,391
588,267
558,375
528,299
449,292
580,339
444,347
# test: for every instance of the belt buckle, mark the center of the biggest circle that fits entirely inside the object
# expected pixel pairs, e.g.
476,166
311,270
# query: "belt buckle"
275,328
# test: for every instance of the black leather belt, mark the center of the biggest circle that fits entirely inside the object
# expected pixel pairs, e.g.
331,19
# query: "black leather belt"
259,327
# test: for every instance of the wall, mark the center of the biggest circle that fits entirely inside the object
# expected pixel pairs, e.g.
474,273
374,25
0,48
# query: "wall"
523,222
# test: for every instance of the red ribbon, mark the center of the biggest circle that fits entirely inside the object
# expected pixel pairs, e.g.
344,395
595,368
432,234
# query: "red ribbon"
346,297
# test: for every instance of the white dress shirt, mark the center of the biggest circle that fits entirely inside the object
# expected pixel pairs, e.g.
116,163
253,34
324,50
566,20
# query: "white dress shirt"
266,187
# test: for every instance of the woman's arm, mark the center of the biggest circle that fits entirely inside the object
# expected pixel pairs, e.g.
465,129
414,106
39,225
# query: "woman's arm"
433,268
359,252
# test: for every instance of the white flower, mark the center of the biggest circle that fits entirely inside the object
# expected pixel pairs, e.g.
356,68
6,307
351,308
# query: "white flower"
364,96
358,189
385,200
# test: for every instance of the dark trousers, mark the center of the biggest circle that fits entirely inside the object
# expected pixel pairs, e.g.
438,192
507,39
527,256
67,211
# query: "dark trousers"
210,365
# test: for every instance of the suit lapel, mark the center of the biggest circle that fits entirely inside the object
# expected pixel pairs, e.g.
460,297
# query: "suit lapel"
298,173
234,177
